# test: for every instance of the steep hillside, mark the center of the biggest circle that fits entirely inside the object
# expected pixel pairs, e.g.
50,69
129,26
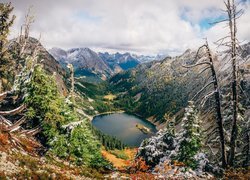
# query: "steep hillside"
143,89
159,90
49,63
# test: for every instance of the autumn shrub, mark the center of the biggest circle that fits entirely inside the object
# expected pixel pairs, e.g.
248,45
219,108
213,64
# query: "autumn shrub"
4,140
138,165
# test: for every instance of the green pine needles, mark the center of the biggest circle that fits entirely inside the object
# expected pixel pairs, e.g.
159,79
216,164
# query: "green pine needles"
190,137
6,63
47,109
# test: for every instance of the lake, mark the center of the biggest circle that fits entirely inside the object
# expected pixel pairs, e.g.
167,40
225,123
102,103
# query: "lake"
123,127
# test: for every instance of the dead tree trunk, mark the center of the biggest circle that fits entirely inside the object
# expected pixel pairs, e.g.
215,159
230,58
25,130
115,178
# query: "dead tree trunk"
218,109
210,65
231,10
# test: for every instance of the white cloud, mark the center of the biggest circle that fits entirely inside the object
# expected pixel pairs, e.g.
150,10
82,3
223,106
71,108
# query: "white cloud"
141,26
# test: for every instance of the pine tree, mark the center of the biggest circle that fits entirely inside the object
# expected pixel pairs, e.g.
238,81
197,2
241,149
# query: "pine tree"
5,58
189,137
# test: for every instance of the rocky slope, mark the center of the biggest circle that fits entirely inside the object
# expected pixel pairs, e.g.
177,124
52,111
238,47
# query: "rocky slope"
91,64
49,63
85,61
147,58
118,61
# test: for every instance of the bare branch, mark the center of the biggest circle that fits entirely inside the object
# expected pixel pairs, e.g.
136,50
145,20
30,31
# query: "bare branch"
16,125
3,95
208,84
198,64
206,97
32,132
14,111
203,70
217,22
222,39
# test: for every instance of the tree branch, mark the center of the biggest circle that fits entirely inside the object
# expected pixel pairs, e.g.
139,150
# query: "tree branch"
16,125
14,111
208,84
206,97
202,63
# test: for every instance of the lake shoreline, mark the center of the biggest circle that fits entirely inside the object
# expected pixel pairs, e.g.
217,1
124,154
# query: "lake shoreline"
129,128
151,119
106,113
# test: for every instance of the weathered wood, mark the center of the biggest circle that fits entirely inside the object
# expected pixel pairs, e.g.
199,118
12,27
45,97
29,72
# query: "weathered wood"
218,108
16,125
231,10
31,132
5,121
216,94
34,131
3,95
14,111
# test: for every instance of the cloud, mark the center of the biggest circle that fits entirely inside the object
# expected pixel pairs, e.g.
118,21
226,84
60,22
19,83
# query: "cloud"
139,26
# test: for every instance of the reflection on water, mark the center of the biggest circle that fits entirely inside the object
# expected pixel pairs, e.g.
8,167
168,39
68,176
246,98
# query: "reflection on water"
123,126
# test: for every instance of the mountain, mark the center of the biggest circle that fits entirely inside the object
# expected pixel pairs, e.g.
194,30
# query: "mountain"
119,61
155,88
159,90
145,59
94,65
85,61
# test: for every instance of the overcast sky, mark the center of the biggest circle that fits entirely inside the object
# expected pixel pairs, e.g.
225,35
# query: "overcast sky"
138,26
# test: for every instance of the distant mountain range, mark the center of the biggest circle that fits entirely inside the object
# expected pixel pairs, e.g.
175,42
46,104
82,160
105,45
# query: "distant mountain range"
92,64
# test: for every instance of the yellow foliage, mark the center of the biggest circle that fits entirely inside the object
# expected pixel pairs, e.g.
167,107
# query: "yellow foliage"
109,97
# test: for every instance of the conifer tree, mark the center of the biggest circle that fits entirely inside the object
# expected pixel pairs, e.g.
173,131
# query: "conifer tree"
189,137
6,21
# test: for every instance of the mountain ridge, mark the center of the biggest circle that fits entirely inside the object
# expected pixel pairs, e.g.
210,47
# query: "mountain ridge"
103,64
